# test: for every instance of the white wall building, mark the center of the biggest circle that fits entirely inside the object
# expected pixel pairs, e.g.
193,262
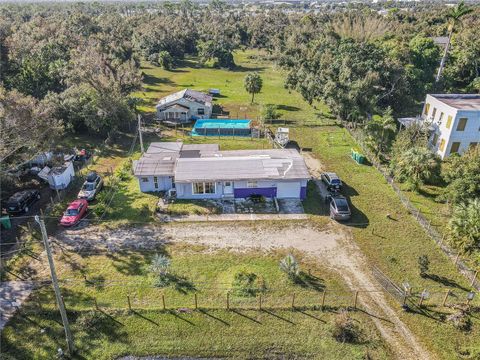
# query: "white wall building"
184,106
454,121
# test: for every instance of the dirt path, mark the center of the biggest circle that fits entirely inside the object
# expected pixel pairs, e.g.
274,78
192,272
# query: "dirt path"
332,247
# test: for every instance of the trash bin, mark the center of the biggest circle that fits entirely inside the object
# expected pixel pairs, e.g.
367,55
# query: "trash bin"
361,159
5,222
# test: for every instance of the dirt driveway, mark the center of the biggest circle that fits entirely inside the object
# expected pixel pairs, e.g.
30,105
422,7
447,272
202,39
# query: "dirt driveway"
331,246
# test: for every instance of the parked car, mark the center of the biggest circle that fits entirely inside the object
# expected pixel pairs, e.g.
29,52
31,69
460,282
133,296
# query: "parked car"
339,209
21,201
332,181
74,213
90,188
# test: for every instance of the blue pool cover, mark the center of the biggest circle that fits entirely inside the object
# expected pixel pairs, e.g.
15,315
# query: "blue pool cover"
219,127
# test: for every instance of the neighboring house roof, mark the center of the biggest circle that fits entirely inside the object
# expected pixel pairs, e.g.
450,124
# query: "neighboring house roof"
466,102
187,94
440,40
176,107
204,162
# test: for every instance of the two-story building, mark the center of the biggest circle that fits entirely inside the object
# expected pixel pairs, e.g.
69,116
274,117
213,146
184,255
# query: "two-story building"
454,121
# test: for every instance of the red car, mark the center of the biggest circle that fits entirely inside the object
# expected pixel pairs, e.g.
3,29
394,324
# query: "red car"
75,211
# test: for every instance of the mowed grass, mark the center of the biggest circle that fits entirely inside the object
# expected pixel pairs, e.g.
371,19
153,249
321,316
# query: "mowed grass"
394,243
233,99
243,332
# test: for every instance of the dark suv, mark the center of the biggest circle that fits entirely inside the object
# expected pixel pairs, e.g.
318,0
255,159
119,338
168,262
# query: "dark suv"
21,201
332,181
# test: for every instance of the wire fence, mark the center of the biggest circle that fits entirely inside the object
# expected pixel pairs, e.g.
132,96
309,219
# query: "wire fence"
470,274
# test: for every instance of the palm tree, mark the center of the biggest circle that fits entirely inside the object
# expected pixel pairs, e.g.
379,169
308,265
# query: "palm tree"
289,265
253,84
454,17
417,165
380,130
464,227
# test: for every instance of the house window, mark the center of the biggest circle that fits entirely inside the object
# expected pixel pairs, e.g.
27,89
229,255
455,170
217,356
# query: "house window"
473,145
454,148
144,179
201,111
155,182
434,112
252,184
462,123
427,108
441,118
442,145
203,188
449,121
435,139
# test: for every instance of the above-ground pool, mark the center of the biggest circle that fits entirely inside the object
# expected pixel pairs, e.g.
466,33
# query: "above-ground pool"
221,127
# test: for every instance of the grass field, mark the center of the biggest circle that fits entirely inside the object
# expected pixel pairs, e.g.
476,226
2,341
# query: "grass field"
213,331
234,99
393,243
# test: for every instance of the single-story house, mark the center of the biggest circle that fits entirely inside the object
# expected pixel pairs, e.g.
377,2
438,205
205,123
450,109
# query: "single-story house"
184,106
204,172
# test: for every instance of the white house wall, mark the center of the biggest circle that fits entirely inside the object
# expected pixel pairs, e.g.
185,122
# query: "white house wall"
471,134
193,109
164,183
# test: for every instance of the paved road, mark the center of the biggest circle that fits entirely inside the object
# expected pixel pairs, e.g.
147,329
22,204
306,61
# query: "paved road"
12,295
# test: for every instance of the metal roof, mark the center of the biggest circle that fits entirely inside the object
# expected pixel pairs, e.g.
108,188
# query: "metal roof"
204,162
191,95
460,101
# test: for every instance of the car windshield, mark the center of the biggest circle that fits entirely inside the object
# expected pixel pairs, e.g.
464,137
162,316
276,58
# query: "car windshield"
89,186
342,205
335,181
71,212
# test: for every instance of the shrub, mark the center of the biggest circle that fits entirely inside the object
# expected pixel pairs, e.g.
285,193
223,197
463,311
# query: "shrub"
423,265
460,320
464,226
247,284
289,265
344,328
90,319
160,266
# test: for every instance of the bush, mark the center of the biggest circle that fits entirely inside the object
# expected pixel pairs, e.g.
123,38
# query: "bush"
344,328
289,265
460,320
90,319
247,284
160,266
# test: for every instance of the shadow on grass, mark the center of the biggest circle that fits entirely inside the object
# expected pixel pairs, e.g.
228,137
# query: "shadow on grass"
270,312
205,312
236,311
145,318
174,313
309,281
446,281
288,108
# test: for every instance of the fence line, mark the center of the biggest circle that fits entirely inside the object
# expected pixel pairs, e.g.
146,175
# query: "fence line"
470,274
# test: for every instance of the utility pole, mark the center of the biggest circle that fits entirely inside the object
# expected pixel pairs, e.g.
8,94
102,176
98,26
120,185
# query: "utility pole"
140,133
58,296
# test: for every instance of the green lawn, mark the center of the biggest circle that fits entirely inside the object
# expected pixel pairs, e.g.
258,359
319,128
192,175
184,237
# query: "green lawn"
243,332
234,99
393,244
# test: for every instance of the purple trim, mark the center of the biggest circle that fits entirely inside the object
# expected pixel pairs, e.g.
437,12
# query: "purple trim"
243,193
303,192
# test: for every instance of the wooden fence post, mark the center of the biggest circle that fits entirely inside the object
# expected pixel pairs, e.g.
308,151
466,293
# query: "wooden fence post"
355,300
474,278
129,304
323,299
293,301
228,300
457,258
95,303
446,297
196,302
163,301
260,302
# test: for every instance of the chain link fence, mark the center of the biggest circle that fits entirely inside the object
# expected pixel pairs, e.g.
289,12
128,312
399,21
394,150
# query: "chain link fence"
470,274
